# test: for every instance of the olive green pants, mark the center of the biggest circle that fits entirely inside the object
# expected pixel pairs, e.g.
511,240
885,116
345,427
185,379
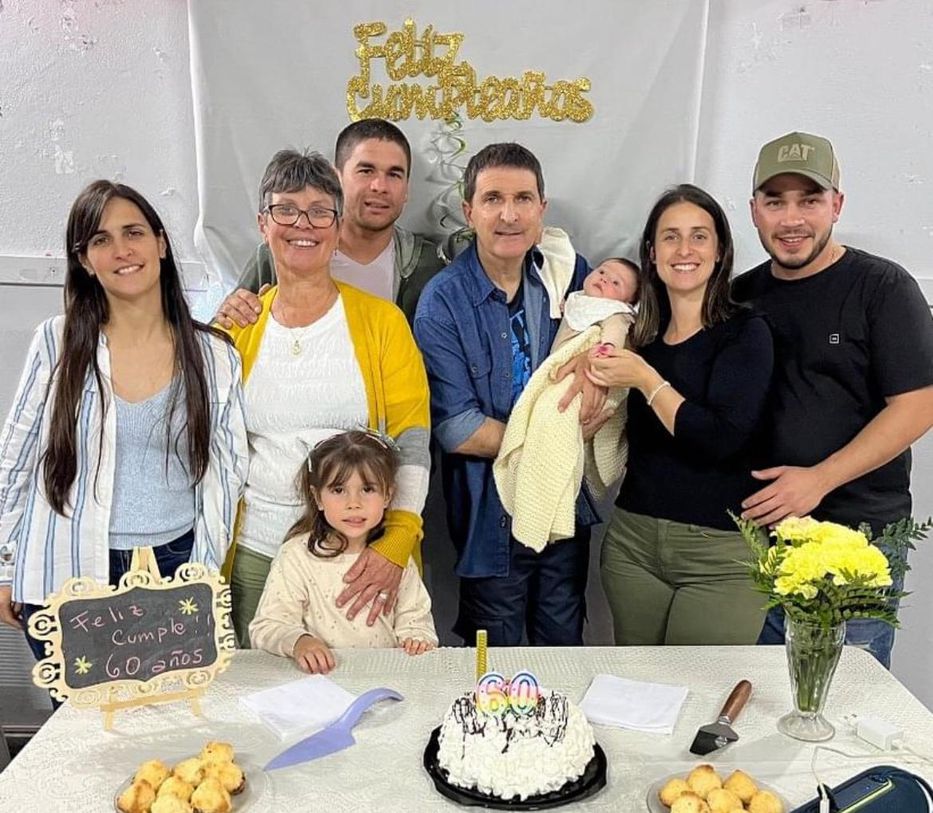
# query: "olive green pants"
247,580
677,584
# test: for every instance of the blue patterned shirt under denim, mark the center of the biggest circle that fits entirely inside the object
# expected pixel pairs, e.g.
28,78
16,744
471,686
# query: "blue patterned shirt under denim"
462,328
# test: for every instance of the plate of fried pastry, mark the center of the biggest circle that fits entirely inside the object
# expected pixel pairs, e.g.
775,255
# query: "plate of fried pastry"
212,781
706,790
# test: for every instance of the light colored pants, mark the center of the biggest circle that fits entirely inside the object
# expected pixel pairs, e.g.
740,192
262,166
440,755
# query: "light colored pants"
247,580
677,584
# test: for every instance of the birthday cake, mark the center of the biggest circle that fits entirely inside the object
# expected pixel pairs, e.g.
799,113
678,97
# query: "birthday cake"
515,752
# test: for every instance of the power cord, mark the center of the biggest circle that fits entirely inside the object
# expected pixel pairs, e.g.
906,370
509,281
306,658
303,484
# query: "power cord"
872,730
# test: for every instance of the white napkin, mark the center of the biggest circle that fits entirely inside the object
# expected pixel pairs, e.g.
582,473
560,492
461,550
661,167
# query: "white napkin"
301,706
648,707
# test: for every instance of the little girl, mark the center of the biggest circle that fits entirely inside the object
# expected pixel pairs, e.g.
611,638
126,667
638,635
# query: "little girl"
348,484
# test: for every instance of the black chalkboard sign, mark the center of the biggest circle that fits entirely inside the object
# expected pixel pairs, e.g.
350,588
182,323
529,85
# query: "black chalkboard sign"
137,635
148,640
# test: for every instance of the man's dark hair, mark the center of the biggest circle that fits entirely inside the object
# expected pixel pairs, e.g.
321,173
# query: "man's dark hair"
507,154
365,129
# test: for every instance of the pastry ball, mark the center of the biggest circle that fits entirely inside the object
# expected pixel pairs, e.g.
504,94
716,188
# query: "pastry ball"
765,802
672,790
229,774
137,798
170,804
742,785
177,787
703,779
721,800
155,772
210,797
689,802
217,752
190,770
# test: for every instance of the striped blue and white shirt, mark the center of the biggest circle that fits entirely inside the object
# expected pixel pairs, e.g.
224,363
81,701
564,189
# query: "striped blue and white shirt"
40,549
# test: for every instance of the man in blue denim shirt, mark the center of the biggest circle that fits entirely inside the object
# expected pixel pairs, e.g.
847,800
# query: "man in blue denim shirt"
483,325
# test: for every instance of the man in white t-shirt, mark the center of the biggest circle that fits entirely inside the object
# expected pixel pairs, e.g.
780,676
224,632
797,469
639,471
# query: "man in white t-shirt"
373,159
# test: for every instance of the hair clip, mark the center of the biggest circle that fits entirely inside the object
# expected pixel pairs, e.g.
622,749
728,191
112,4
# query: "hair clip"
386,440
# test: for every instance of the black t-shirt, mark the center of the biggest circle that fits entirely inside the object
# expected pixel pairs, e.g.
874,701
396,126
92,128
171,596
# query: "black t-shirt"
844,339
703,470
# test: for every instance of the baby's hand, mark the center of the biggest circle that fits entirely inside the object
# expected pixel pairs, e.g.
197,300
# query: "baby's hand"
313,655
415,647
600,351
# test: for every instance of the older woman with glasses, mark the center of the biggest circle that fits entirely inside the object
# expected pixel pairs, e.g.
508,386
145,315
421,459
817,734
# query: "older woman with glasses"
322,358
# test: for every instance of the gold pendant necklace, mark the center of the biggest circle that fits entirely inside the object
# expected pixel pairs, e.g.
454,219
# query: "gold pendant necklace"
297,339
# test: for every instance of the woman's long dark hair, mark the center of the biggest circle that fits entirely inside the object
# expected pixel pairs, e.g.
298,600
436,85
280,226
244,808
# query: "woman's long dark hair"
86,311
332,462
654,305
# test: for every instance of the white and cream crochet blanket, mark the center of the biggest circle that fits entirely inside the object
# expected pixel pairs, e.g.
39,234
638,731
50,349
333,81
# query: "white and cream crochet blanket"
542,460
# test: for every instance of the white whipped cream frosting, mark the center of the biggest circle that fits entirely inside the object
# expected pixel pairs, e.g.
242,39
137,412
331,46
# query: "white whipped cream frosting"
510,755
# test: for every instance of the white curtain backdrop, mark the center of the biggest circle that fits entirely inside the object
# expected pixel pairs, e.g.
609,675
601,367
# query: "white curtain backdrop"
274,74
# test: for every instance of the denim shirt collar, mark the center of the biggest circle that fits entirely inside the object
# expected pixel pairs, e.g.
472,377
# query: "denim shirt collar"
482,286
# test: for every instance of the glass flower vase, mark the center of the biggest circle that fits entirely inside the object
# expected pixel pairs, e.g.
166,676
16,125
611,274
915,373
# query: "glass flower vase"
812,654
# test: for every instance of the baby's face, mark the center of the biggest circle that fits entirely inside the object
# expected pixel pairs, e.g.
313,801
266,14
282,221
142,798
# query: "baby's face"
612,280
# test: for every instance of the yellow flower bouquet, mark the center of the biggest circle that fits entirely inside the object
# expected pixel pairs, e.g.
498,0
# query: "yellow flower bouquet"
822,572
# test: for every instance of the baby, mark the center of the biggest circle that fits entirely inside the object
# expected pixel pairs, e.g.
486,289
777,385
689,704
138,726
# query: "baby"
609,293
542,459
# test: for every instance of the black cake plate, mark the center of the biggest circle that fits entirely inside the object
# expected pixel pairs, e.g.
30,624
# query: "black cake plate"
590,782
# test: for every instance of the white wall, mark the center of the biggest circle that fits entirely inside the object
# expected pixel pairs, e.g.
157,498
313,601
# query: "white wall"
103,90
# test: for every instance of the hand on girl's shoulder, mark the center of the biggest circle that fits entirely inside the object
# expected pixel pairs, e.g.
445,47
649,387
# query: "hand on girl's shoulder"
413,646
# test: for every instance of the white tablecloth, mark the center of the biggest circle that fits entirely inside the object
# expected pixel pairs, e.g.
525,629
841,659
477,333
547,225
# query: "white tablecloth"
73,765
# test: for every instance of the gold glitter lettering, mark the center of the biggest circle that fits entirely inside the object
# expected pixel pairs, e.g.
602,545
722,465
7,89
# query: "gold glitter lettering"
406,55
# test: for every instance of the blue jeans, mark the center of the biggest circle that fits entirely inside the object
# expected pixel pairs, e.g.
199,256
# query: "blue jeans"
544,595
875,637
168,556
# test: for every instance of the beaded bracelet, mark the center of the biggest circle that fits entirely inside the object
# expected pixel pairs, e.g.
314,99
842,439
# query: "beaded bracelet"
656,390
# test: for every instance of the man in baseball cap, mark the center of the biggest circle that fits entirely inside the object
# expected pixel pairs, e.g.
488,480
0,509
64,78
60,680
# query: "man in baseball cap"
853,368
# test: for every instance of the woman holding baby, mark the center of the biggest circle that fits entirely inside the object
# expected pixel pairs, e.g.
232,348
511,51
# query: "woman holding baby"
672,560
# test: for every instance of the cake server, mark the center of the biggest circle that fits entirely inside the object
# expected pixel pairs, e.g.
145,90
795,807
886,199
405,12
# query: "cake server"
335,737
719,734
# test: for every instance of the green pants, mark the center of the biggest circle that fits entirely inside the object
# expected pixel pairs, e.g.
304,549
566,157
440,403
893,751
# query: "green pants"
247,579
670,583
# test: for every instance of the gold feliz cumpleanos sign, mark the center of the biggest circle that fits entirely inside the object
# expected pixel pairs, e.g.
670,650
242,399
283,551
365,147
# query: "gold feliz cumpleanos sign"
455,90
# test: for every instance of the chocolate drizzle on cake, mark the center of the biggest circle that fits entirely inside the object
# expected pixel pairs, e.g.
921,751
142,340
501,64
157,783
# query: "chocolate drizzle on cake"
548,720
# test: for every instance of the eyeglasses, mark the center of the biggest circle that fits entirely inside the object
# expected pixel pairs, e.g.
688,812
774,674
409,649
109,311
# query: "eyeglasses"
286,214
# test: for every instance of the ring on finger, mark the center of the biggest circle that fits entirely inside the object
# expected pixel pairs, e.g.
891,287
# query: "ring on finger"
383,595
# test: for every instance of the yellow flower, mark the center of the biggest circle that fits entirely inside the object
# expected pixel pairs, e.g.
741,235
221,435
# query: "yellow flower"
795,529
819,553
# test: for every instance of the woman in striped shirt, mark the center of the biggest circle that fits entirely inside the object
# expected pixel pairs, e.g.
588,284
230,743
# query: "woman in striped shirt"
127,428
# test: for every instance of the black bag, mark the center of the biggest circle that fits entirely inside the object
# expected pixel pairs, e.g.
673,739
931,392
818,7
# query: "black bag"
882,789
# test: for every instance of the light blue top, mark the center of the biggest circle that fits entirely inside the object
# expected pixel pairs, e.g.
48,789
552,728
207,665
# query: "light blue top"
153,493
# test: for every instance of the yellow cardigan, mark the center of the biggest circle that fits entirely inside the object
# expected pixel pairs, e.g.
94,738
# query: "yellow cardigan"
397,397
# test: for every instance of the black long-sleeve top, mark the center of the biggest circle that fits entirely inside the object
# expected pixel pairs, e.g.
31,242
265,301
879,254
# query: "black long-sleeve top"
695,475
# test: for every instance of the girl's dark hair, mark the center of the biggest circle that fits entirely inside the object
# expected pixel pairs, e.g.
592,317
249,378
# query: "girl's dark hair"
86,311
333,462
654,307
